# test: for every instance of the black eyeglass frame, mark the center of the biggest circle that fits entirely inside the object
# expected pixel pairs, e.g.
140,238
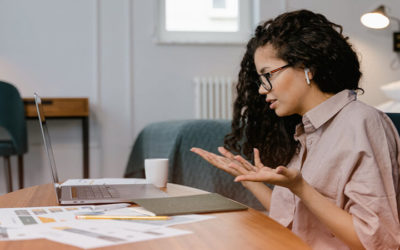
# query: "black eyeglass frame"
265,78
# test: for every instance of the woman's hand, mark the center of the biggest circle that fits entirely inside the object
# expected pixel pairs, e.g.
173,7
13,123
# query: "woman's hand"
281,176
237,165
222,161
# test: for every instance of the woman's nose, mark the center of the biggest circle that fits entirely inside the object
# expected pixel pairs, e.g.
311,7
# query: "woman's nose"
262,90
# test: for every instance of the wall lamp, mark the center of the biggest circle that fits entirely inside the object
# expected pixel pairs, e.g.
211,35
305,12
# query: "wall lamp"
378,19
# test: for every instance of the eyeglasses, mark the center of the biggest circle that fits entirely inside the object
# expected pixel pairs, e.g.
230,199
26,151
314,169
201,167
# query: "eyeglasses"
265,79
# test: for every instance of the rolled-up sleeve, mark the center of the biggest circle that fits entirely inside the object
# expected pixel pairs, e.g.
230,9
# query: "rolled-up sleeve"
372,187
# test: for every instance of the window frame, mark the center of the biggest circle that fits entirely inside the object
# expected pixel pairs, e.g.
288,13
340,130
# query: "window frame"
246,17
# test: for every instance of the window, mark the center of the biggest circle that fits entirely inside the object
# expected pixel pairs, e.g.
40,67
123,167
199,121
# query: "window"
204,21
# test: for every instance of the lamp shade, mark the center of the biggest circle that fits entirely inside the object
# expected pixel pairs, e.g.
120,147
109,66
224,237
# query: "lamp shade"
376,19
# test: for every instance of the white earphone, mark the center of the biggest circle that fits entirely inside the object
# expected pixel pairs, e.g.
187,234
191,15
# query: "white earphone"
306,71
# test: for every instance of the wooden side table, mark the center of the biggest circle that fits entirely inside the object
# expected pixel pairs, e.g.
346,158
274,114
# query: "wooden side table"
65,108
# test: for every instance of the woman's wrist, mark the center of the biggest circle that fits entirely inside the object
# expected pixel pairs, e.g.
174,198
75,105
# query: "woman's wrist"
250,184
299,187
245,184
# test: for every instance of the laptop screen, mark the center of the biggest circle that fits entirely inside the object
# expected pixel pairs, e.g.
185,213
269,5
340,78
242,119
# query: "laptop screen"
46,138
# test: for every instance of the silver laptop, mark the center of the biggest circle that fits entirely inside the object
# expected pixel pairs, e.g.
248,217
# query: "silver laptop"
91,194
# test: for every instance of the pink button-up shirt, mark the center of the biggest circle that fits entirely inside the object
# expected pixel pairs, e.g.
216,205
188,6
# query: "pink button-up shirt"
352,155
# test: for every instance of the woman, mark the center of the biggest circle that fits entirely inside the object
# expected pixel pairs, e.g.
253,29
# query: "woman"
334,161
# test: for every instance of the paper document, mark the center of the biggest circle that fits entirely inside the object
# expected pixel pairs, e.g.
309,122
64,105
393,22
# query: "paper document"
174,220
19,233
17,217
178,219
59,223
91,234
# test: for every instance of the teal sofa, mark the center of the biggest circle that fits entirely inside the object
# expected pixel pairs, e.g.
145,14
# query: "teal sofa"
173,140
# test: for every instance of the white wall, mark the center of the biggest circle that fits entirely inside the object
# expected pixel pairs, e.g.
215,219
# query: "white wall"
72,48
106,50
379,64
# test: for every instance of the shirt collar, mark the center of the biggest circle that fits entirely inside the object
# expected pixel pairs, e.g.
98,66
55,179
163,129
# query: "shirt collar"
320,114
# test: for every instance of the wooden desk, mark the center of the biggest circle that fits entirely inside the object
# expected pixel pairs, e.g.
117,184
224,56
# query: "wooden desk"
230,230
65,108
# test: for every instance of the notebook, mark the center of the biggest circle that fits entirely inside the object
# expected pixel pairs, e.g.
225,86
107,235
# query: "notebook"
91,194
201,203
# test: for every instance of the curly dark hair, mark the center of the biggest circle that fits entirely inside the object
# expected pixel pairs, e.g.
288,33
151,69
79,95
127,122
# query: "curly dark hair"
302,39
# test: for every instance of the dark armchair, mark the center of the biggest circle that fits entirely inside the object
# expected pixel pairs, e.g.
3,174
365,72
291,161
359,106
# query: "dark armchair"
12,119
395,117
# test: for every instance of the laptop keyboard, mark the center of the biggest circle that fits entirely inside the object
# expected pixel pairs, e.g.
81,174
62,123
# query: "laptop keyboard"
92,192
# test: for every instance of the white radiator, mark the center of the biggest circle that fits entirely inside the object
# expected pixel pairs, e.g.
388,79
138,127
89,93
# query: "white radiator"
214,97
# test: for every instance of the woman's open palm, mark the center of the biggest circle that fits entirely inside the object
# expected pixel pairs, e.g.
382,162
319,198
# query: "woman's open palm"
222,161
280,176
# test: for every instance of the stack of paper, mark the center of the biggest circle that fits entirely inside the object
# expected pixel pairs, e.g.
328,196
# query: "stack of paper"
60,224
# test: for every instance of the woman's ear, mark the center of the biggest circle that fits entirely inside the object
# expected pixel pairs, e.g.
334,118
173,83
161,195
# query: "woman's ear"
306,72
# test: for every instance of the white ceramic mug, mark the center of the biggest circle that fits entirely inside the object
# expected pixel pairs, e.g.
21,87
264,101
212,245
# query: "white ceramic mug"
156,171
